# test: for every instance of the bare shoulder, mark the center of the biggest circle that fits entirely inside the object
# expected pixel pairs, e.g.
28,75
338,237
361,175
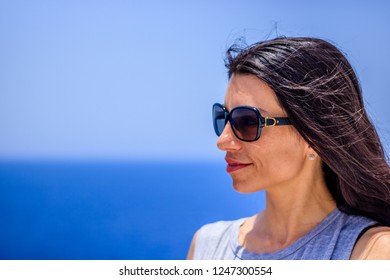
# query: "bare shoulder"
373,245
190,254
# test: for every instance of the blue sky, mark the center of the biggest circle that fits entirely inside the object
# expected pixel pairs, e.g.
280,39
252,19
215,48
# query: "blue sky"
136,79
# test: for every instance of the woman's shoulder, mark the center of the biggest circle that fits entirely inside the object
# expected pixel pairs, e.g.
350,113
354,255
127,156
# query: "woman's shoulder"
219,227
374,244
212,234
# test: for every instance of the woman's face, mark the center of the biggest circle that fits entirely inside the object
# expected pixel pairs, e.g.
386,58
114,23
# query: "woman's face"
278,158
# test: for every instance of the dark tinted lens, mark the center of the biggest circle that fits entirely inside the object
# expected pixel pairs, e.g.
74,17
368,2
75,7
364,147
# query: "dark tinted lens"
245,123
218,119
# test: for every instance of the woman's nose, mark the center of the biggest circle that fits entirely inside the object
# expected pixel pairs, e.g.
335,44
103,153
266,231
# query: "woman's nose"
227,141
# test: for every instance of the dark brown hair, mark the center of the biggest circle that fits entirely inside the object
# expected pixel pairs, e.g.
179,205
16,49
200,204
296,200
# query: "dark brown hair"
319,90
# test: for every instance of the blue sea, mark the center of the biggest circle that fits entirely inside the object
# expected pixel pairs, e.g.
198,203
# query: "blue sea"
79,210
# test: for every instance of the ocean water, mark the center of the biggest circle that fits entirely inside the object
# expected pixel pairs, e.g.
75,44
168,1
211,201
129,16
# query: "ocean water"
112,210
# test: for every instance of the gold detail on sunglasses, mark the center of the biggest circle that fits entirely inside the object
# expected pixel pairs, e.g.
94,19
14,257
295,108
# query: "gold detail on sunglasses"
270,118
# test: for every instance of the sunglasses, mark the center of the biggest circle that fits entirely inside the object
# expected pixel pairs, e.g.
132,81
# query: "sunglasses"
246,122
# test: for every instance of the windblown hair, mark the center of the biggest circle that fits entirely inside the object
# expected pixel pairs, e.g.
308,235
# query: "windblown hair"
319,90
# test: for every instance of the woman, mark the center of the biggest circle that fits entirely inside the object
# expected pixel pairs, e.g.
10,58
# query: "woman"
293,124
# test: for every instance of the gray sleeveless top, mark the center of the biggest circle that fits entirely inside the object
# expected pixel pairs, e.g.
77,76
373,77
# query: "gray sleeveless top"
332,239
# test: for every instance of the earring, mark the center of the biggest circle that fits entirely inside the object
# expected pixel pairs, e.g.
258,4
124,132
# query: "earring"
311,156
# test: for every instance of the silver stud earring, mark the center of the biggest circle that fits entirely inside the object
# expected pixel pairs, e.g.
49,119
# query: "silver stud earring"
311,156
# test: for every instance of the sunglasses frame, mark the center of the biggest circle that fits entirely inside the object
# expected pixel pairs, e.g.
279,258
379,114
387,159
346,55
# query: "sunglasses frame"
263,121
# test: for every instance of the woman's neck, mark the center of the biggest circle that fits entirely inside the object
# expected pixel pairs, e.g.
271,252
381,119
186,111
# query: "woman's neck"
290,213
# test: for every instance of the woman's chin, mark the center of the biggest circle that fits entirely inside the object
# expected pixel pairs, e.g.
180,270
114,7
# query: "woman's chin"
244,188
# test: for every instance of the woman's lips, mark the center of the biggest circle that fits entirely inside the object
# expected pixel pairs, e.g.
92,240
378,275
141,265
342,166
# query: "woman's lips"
234,165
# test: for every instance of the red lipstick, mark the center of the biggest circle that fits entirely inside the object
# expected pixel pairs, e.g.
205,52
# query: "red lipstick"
234,165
